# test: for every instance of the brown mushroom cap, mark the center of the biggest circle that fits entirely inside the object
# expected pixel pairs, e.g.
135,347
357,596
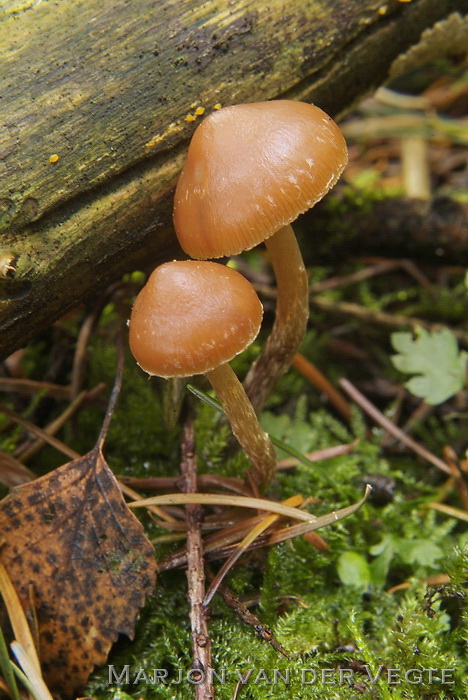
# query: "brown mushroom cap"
191,317
252,169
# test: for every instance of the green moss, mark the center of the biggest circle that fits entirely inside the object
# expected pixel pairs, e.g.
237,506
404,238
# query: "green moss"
328,622
330,609
323,623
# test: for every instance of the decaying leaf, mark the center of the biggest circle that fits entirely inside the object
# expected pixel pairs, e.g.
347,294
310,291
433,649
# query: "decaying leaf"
74,550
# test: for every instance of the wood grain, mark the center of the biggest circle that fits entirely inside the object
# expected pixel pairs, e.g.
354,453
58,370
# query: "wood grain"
98,102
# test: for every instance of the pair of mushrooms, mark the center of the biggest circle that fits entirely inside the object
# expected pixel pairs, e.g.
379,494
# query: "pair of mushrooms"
251,169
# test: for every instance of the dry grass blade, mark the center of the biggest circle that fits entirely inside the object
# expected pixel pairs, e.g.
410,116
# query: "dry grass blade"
54,427
322,521
60,446
17,618
159,512
439,580
5,689
292,531
222,500
223,543
365,273
213,543
449,510
37,685
319,455
12,472
257,530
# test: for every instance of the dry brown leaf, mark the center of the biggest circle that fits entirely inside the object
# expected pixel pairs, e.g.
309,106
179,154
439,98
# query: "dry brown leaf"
70,544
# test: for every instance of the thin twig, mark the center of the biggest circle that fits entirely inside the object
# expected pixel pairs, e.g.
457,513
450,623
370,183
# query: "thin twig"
28,452
213,543
319,455
380,268
252,620
30,427
381,317
374,268
84,336
31,387
413,271
201,642
255,532
12,472
171,483
223,543
114,393
159,512
418,416
459,478
380,419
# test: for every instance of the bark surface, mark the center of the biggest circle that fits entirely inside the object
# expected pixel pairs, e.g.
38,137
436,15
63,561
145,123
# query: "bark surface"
99,100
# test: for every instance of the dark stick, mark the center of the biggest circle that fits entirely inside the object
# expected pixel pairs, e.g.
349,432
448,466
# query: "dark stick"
249,618
201,642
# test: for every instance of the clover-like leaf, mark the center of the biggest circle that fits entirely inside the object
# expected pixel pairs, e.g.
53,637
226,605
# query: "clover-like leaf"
435,359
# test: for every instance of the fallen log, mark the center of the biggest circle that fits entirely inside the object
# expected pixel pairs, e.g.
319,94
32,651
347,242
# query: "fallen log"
99,102
434,231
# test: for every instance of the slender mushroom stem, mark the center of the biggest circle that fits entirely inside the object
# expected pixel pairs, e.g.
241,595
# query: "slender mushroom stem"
292,311
244,423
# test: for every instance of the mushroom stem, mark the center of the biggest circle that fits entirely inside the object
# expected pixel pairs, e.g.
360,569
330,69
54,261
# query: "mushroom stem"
292,311
244,423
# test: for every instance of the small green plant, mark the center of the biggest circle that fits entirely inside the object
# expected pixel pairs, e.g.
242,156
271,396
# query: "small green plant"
434,357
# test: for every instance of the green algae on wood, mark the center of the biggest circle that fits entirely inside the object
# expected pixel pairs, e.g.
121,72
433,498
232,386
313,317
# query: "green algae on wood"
100,101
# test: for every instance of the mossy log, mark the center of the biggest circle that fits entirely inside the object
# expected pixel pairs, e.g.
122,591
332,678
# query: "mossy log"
99,101
433,231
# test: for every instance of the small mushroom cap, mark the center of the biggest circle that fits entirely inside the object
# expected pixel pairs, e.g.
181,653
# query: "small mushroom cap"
191,317
252,169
